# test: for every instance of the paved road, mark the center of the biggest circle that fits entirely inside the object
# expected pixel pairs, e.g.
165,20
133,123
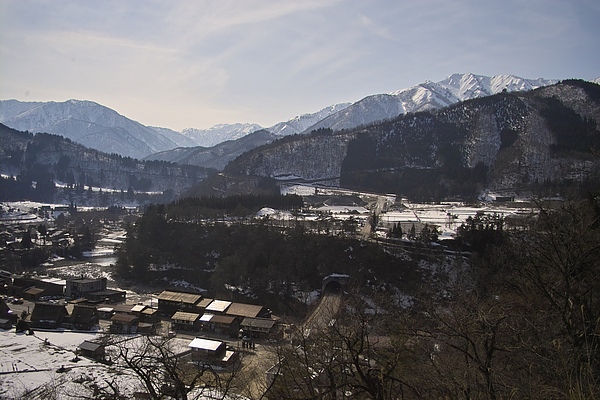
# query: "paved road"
324,314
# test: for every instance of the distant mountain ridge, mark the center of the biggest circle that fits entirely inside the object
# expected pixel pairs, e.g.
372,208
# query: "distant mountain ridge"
219,133
540,141
87,123
425,96
216,156
101,128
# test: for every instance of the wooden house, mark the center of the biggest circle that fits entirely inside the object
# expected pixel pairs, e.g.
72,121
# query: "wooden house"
185,321
95,351
150,315
48,315
218,307
170,302
257,327
207,351
124,323
84,317
247,310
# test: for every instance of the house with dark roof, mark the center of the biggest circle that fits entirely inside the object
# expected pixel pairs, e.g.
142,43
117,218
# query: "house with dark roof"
247,310
79,287
95,351
83,317
124,323
48,315
225,325
106,296
150,315
185,321
258,327
170,302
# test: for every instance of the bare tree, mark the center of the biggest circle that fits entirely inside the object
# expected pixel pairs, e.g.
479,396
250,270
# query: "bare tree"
165,371
357,353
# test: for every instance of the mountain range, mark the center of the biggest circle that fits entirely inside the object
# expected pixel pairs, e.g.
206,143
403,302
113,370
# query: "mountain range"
101,128
544,141
449,139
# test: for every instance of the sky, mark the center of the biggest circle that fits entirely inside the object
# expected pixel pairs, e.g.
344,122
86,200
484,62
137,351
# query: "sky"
197,63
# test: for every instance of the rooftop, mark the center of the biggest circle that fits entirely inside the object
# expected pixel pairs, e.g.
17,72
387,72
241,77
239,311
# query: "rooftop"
218,305
205,344
185,316
244,310
264,323
89,346
179,297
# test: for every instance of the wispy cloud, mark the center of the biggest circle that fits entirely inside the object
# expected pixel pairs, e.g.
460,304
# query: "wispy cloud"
211,61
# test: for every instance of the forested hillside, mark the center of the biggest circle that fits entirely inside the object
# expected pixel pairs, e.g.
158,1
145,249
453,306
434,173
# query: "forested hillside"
516,317
534,143
190,240
45,158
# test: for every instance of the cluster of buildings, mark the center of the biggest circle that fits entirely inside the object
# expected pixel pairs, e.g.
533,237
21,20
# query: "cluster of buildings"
194,313
82,303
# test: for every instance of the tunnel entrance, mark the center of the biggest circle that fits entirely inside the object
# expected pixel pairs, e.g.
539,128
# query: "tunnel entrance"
334,283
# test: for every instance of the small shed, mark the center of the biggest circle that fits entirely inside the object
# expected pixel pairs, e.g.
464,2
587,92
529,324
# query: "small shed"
33,293
95,351
5,324
207,350
150,315
105,312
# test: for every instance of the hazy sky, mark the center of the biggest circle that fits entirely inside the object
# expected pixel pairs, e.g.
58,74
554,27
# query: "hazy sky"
196,63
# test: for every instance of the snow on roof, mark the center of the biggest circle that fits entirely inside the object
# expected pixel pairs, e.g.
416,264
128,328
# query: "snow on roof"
206,317
205,344
138,308
218,305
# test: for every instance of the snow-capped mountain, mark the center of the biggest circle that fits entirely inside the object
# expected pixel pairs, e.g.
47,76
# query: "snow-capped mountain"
303,122
101,128
219,133
87,123
425,96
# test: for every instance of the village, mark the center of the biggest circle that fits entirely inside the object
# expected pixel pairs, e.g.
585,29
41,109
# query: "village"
87,321
65,325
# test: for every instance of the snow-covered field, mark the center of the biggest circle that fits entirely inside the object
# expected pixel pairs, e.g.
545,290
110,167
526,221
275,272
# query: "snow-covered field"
447,216
43,365
30,363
